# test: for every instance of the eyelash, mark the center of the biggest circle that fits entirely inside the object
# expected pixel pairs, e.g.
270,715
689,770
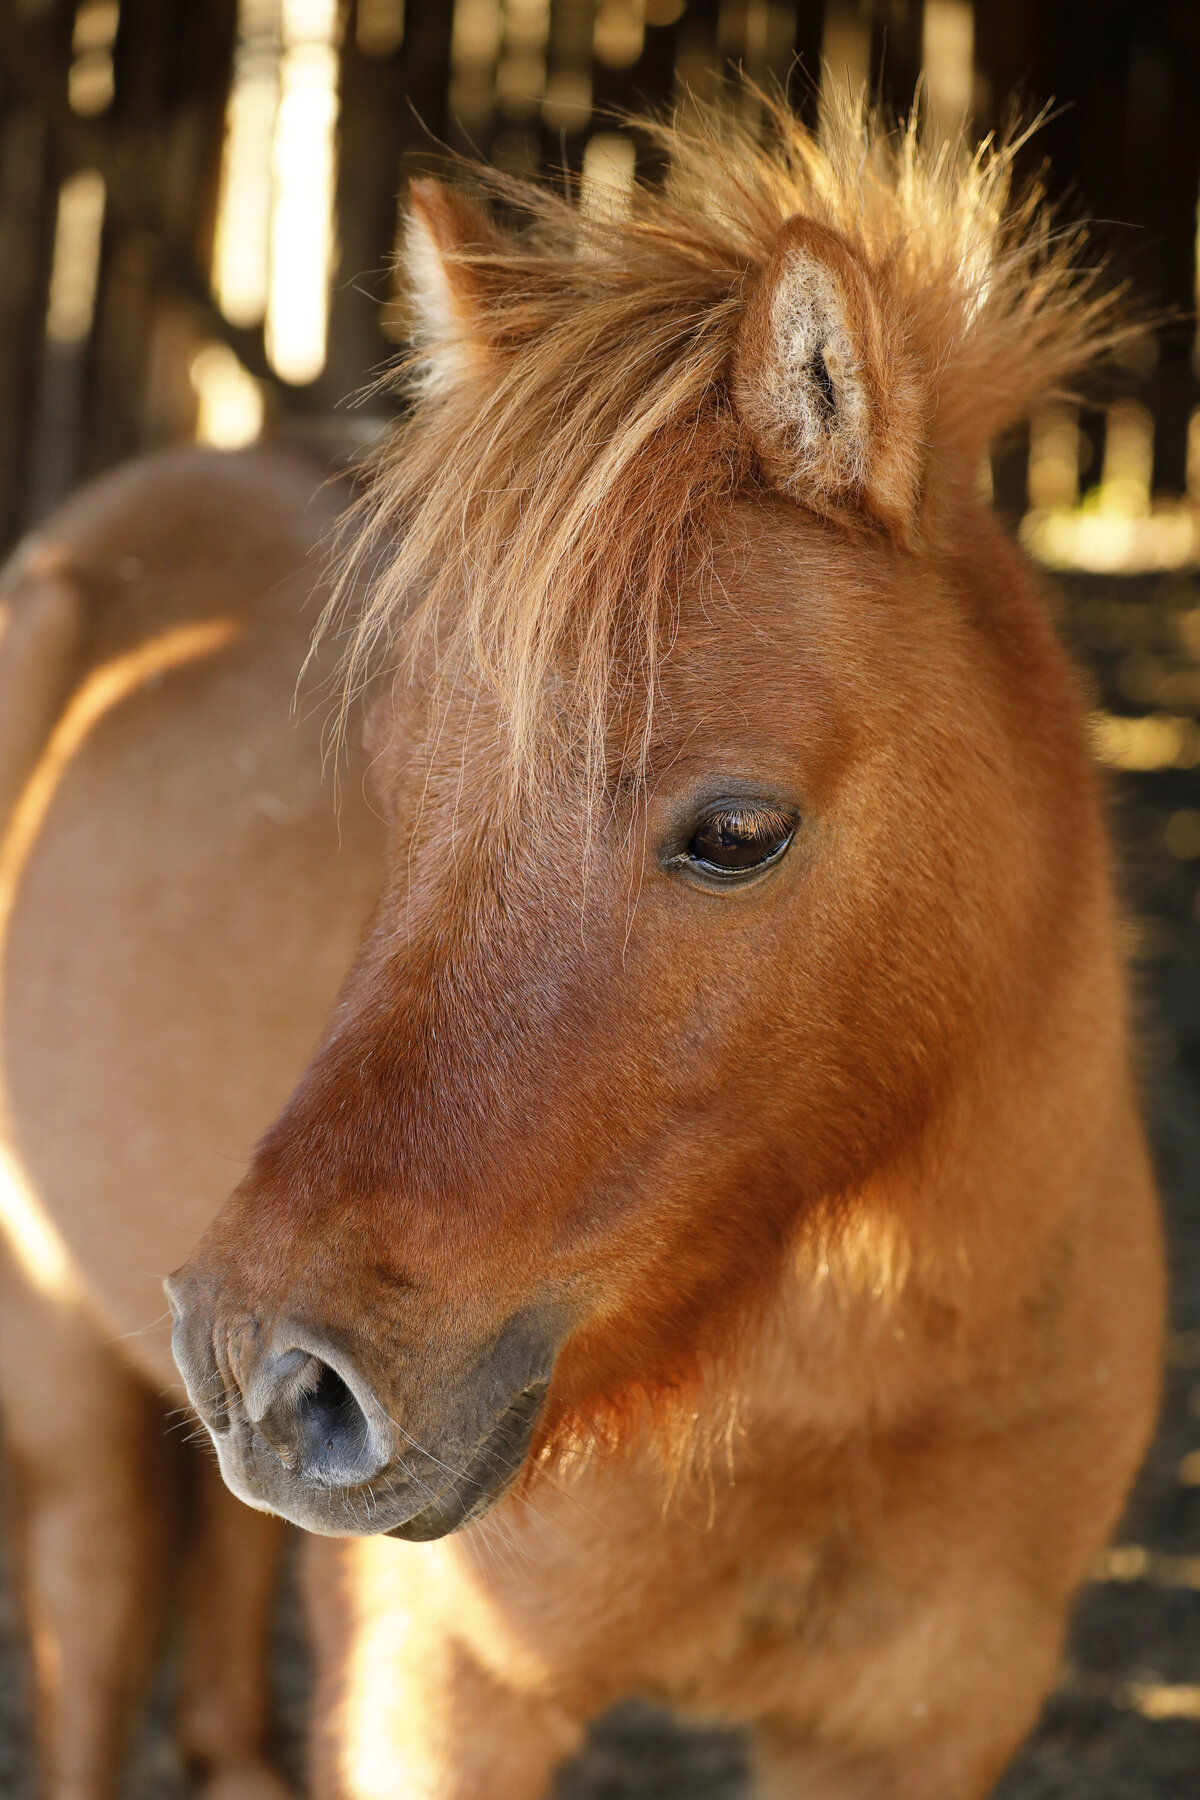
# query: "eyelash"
757,821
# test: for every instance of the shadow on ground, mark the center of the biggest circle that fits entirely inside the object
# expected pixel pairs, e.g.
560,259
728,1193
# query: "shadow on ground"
1124,1723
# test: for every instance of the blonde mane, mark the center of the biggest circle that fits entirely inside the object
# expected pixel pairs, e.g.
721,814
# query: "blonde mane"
528,520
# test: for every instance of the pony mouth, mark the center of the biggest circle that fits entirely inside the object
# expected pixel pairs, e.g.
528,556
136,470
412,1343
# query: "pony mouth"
299,1430
490,1472
396,1501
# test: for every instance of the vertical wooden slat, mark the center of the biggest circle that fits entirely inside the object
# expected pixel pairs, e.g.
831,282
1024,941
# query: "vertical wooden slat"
896,52
569,60
393,120
26,230
696,56
804,79
50,396
128,301
375,127
198,63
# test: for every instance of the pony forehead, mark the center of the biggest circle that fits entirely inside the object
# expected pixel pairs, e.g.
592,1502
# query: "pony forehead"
534,516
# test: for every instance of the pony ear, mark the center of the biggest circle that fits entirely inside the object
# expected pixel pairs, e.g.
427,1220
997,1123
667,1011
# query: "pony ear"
826,382
444,294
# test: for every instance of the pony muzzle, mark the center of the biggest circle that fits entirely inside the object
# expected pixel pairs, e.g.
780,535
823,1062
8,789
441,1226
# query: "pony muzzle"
300,1431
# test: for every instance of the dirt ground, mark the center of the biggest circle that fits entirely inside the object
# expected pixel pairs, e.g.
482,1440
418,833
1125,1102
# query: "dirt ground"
1124,1723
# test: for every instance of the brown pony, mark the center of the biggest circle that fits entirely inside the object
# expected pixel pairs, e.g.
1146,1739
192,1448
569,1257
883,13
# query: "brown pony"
714,1233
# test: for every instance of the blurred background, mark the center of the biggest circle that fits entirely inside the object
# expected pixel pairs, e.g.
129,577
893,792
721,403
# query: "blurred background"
198,216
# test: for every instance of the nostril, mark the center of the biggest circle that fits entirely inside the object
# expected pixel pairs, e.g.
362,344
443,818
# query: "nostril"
315,1424
331,1425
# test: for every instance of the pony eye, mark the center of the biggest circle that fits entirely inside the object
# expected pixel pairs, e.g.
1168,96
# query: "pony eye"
733,840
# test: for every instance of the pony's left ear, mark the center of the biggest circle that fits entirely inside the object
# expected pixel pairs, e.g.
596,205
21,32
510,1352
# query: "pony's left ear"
827,384
442,231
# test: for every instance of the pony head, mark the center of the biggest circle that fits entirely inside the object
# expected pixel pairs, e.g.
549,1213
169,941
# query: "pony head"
738,804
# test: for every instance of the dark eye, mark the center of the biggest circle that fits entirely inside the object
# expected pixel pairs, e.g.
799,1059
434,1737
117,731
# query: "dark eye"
732,840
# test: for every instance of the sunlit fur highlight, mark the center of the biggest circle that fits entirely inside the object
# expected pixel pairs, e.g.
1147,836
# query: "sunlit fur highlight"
555,472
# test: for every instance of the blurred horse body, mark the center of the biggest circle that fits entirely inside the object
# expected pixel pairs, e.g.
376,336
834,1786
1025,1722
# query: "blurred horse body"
715,1227
161,990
